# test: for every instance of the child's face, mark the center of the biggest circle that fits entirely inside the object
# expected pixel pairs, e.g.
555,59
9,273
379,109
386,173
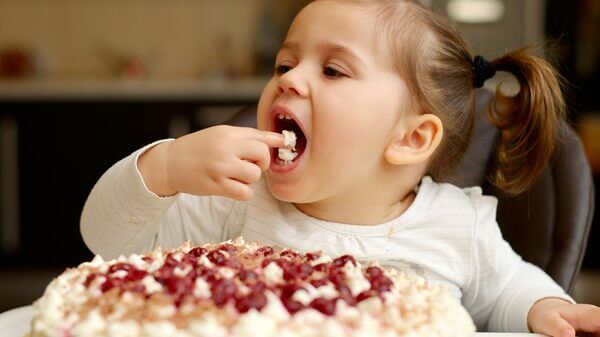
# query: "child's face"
345,95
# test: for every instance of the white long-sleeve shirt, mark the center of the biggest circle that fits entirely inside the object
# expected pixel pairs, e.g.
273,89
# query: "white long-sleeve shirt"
448,235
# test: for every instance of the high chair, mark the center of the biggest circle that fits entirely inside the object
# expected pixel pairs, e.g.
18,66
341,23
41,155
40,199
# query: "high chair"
549,224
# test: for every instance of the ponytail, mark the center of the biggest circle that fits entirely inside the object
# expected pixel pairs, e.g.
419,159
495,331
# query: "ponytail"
528,122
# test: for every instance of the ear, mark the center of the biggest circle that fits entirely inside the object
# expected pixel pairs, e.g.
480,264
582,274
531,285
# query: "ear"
415,141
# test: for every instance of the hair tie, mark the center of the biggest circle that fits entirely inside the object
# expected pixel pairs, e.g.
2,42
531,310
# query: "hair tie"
482,70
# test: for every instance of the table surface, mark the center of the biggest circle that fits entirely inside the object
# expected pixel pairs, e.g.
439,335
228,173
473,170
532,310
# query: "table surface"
15,323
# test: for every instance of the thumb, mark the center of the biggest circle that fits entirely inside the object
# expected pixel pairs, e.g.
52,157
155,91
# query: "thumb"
555,326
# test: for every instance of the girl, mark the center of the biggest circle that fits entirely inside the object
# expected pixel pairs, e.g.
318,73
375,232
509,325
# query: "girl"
380,96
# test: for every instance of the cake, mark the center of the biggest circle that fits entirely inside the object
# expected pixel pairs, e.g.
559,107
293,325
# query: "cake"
243,289
288,153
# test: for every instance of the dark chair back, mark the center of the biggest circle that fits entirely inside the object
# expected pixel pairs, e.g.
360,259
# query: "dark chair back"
549,224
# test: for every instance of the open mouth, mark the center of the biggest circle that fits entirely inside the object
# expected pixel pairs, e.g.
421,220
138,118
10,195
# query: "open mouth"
284,121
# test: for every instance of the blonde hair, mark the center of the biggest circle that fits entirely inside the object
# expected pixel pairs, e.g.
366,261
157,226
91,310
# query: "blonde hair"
436,64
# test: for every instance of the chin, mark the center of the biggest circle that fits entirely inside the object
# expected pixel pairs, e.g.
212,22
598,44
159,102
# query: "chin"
286,192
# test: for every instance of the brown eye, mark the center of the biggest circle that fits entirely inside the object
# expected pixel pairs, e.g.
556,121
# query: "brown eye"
331,72
282,69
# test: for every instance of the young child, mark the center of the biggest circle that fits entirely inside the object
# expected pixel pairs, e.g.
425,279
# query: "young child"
380,96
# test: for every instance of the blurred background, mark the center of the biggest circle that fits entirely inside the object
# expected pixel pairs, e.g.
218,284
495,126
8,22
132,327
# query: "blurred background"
84,83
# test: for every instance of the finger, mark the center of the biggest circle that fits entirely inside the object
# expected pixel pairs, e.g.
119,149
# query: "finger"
237,190
257,153
247,172
272,139
556,326
586,318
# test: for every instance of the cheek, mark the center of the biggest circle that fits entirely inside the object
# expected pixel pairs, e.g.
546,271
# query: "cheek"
356,128
341,136
264,105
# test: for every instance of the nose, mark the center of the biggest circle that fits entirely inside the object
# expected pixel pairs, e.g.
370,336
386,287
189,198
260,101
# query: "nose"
293,82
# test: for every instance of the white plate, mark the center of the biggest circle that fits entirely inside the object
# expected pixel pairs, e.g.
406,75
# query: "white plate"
17,323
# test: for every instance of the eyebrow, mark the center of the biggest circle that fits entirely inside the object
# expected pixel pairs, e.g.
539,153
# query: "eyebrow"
327,46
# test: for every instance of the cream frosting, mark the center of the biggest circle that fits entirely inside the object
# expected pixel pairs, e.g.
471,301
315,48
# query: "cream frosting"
412,307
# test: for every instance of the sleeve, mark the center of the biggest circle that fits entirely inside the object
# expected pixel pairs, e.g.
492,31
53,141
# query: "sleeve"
122,216
502,286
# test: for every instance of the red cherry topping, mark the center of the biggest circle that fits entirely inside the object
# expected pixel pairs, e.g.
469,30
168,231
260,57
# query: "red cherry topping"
109,284
336,276
304,270
171,260
120,266
373,272
292,306
284,264
321,267
135,275
165,272
209,275
381,284
259,287
247,275
289,274
301,271
312,256
364,295
319,282
190,259
297,271
253,300
89,279
326,306
217,257
229,248
265,262
177,285
197,252
265,251
290,254
222,291
138,288
346,294
233,263
342,260
288,290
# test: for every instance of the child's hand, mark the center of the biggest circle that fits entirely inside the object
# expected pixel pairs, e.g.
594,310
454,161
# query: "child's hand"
559,318
221,160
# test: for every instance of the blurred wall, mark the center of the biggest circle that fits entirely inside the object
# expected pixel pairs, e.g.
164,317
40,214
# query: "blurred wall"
522,24
191,38
176,38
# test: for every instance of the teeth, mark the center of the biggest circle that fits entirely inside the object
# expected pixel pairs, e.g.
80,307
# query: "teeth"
284,162
286,116
287,154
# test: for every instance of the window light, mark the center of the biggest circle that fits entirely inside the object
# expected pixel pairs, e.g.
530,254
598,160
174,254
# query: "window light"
475,11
